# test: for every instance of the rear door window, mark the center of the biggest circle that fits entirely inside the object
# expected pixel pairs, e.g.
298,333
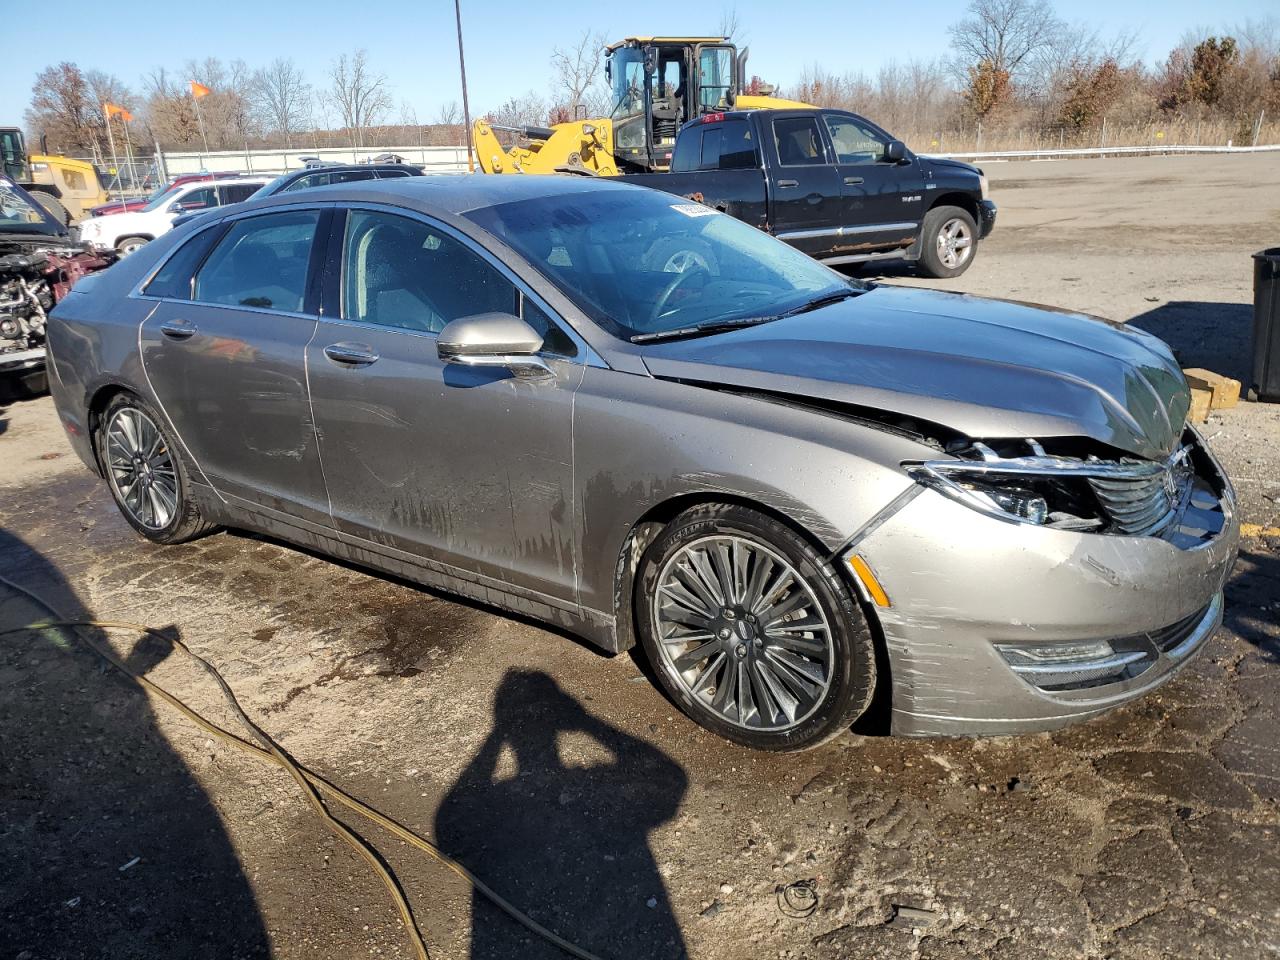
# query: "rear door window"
238,192
351,176
260,262
199,199
173,280
799,141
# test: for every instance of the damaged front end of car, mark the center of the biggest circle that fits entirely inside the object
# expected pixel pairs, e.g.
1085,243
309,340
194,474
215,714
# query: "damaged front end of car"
39,263
1101,578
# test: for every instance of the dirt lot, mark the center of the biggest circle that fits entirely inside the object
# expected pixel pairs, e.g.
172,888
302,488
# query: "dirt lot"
563,777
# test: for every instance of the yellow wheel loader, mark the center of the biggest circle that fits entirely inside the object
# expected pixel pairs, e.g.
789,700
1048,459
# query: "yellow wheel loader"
65,187
656,84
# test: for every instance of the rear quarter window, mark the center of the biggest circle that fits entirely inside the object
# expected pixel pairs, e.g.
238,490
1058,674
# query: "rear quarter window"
173,280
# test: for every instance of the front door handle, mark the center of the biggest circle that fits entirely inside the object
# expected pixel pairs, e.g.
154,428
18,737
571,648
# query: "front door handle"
178,329
852,181
783,184
353,354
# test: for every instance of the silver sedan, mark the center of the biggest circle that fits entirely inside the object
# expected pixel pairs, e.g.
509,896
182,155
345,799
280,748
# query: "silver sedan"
643,421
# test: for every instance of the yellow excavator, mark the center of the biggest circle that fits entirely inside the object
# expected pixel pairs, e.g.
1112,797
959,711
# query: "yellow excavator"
656,84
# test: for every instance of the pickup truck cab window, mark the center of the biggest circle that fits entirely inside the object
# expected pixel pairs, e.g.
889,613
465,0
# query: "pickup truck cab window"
854,142
799,141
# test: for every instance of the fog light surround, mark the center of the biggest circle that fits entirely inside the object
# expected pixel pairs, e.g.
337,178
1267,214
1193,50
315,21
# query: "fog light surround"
1073,664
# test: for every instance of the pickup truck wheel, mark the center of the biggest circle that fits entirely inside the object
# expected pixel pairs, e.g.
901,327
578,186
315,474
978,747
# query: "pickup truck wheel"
947,242
130,245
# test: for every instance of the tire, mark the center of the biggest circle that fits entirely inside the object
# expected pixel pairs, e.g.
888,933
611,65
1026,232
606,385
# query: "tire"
53,206
942,226
129,245
695,673
164,479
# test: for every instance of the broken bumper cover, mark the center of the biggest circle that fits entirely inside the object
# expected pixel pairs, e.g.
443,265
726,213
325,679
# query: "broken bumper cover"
1006,628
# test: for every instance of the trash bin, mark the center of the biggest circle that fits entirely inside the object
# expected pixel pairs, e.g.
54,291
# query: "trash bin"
1266,326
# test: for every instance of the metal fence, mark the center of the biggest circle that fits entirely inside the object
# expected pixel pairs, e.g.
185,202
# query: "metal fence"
250,162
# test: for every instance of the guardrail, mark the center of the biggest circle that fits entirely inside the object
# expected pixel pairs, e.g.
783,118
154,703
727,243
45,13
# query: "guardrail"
1063,154
249,162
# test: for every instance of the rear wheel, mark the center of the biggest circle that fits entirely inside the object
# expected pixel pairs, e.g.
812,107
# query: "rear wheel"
948,242
146,474
751,632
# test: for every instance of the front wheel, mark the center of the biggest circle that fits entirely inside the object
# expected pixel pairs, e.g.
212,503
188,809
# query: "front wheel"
948,241
130,245
751,632
146,474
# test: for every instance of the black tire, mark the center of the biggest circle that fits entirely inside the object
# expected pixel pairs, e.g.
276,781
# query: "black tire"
851,671
53,206
187,521
932,259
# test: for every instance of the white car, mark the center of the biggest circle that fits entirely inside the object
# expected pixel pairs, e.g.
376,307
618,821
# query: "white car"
126,232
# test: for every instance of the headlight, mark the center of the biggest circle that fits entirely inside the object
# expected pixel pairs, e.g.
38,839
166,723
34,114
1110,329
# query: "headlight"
982,184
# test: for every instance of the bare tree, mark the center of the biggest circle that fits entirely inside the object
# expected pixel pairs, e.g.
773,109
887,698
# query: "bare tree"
577,72
282,95
1004,34
63,110
359,94
730,24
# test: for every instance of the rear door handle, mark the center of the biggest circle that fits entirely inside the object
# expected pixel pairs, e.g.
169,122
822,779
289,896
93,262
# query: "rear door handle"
354,354
852,181
178,329
783,184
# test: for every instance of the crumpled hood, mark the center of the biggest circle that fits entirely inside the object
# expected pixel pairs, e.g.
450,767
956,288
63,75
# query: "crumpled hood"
986,368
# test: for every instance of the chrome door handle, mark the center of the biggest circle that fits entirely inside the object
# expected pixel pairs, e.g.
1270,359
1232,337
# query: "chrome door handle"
852,181
354,354
783,184
178,329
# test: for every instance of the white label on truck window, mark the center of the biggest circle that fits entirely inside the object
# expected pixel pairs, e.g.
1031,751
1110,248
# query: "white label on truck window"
692,209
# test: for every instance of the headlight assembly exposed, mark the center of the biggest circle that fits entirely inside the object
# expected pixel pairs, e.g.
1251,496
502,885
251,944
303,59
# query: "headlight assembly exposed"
1121,496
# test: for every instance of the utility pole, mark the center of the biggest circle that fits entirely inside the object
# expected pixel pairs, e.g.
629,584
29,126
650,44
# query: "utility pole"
462,66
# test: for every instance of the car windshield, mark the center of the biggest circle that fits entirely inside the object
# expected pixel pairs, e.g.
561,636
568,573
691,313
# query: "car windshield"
160,191
642,264
19,213
158,201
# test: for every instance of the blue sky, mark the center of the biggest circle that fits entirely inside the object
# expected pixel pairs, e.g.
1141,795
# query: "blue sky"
509,44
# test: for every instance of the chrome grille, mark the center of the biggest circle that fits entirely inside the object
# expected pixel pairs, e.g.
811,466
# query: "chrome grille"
1143,506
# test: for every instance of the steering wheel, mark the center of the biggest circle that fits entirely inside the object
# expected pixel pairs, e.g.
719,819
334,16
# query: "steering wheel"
663,298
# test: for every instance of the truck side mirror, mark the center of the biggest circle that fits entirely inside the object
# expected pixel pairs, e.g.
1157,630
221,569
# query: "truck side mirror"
895,151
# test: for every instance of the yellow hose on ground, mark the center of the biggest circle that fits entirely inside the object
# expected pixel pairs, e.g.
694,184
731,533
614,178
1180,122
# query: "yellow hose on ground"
311,784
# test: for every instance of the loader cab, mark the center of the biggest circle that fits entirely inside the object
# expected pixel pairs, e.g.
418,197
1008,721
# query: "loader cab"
13,154
658,84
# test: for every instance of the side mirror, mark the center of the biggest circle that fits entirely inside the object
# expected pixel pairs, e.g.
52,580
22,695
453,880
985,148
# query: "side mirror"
177,209
895,151
493,340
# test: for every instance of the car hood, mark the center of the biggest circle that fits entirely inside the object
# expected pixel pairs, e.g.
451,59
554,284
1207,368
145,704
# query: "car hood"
989,369
946,163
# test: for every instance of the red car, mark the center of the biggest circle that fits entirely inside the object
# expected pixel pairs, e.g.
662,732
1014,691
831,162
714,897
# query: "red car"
137,203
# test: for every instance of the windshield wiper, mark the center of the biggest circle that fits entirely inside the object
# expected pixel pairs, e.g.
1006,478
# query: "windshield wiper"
719,326
700,329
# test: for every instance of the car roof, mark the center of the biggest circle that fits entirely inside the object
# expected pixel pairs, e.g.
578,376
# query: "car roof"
453,194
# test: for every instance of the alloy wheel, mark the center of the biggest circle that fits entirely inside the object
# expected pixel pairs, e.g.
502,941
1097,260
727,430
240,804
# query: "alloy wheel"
955,243
140,467
742,633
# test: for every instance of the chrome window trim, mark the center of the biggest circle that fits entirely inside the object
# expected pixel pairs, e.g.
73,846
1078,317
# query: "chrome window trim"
586,355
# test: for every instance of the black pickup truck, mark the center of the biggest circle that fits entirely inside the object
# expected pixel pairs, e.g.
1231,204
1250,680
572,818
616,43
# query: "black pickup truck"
833,185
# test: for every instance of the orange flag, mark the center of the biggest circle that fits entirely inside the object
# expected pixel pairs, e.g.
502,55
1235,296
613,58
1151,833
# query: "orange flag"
199,90
114,109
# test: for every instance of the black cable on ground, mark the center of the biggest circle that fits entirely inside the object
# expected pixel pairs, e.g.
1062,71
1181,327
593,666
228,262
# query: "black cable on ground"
312,784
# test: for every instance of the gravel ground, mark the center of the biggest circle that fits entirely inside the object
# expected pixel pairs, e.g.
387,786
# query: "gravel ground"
563,778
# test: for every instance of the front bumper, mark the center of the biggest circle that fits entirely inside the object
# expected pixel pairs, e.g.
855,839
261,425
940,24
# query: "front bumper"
986,218
961,583
22,361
